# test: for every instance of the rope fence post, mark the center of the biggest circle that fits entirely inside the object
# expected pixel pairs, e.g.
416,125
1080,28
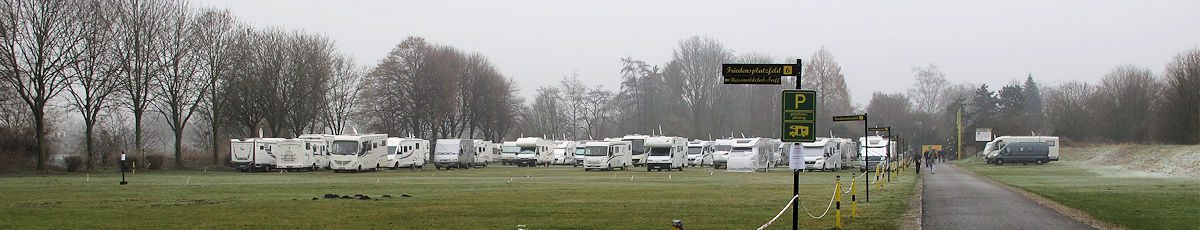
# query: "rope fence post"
853,198
837,197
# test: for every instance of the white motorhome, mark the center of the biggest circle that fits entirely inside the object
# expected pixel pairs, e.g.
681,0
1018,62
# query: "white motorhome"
508,152
319,140
534,151
991,149
357,152
847,149
454,153
305,154
638,144
253,154
564,153
700,153
607,155
409,153
750,155
874,151
666,153
822,155
722,148
580,150
782,160
484,151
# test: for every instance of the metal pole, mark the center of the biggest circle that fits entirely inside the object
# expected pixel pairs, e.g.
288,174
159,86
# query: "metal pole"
796,172
123,182
866,156
889,153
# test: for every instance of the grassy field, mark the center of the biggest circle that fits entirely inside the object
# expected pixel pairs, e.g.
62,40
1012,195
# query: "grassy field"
1131,200
540,198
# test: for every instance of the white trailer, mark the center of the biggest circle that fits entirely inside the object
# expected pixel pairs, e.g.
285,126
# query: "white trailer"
638,148
666,153
822,155
991,149
607,155
358,152
253,154
483,152
847,149
508,152
321,140
722,149
301,154
534,151
454,153
750,155
700,153
564,153
409,153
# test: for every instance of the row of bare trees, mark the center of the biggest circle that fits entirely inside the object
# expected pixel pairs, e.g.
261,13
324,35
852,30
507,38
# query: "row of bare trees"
166,58
428,90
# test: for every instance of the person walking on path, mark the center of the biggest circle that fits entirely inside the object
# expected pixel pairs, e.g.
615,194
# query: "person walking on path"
917,161
929,160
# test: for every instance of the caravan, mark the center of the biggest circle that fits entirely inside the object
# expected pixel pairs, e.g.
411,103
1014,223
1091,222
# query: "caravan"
607,155
564,153
700,153
638,144
722,149
508,152
253,154
666,153
875,150
991,149
822,155
357,152
847,149
750,155
484,151
534,151
306,154
454,153
407,152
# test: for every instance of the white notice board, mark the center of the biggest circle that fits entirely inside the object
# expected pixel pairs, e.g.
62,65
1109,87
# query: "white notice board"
796,156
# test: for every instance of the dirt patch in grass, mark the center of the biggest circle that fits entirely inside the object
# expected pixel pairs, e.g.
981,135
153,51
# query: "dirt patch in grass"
175,203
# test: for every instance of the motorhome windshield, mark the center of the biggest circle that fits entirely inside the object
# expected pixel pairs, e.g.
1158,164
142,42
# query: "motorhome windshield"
528,150
392,149
695,150
660,151
639,146
510,149
344,148
598,151
724,147
581,151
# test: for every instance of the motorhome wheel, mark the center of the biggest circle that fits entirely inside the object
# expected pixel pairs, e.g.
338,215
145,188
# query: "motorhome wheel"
999,161
1040,162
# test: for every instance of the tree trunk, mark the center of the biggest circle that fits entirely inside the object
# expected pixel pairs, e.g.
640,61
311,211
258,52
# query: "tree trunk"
91,150
40,134
216,158
137,137
179,148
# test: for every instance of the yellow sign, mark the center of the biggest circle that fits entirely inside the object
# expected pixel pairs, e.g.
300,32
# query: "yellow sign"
787,70
926,148
798,131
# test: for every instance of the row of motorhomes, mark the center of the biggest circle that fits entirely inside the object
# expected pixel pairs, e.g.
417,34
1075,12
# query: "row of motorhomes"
364,152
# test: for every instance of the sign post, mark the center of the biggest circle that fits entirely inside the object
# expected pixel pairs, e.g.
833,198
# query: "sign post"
866,160
123,182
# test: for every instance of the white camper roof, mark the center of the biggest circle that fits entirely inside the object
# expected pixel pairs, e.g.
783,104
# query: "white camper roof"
821,141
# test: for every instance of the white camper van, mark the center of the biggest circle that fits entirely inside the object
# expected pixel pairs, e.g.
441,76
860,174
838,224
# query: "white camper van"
874,151
253,154
564,153
750,155
301,154
721,156
407,152
638,144
607,155
822,155
666,153
700,152
534,151
484,151
358,152
454,153
580,151
847,149
992,148
508,152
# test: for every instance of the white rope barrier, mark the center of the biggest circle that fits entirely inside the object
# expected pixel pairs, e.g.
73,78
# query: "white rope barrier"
830,205
785,208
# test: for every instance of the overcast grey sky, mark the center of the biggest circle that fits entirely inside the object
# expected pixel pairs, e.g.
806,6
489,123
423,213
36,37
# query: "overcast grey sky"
877,43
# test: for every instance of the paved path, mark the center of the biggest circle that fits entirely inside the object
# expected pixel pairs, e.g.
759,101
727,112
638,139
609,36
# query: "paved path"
954,199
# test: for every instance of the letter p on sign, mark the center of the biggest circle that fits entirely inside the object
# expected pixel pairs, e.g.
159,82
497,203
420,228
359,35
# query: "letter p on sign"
800,99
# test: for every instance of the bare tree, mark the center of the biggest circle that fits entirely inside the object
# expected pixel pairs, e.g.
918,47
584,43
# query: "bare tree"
1123,103
309,71
94,75
823,73
692,69
1066,107
141,27
1178,113
343,95
41,39
182,85
217,34
927,92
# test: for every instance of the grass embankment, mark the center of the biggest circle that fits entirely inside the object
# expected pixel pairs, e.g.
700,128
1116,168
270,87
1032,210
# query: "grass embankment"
540,198
1130,199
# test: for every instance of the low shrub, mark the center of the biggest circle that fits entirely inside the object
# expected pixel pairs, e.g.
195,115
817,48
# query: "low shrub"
73,163
155,162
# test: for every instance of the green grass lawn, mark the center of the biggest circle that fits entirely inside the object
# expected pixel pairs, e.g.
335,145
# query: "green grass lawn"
1135,202
540,198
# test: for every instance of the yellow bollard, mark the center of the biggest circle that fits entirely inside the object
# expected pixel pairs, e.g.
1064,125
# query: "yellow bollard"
853,197
837,197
